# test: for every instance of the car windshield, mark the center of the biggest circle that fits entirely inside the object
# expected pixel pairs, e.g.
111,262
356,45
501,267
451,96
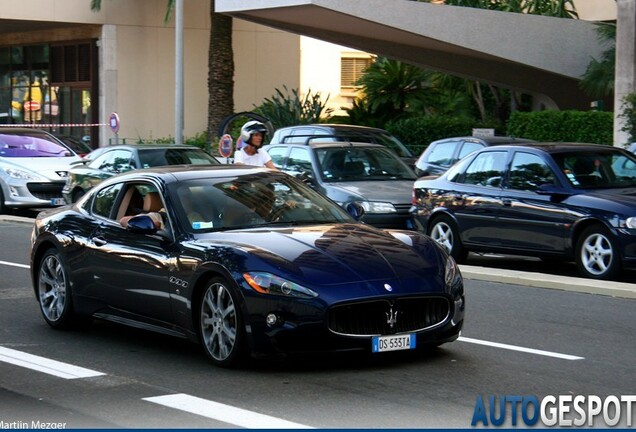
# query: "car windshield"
361,164
174,156
257,200
27,146
598,169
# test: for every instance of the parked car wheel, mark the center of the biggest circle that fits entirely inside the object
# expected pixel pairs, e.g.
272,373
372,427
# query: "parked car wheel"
596,253
444,231
54,294
221,324
3,208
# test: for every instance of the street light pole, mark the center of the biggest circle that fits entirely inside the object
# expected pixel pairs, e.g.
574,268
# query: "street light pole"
178,111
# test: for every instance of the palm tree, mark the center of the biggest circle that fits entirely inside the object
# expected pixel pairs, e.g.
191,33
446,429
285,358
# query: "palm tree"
220,66
598,80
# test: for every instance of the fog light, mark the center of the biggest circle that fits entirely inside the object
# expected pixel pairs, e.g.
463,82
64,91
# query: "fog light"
271,319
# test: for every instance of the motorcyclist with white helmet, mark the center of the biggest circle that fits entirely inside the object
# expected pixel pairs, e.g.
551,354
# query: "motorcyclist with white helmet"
253,134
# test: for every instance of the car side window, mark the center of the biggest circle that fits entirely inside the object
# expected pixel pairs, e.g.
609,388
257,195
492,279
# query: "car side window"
528,172
105,200
278,155
299,160
442,153
467,148
113,161
486,169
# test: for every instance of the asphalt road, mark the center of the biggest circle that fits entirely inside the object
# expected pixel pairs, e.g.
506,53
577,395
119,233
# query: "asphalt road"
554,343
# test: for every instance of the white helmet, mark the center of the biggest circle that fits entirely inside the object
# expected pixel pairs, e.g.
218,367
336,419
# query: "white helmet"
250,128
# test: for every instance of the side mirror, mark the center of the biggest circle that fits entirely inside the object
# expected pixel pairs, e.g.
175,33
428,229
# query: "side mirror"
142,224
355,210
550,189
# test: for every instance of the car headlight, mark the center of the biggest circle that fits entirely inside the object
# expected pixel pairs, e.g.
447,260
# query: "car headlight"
451,271
21,174
378,207
267,283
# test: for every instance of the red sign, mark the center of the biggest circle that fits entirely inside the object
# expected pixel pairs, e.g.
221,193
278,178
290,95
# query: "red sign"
225,146
31,106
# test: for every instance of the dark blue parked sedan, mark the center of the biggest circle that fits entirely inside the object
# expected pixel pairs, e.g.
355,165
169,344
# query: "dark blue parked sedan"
242,260
552,200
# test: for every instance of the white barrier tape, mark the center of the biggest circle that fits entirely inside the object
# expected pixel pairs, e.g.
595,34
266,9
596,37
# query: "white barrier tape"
39,125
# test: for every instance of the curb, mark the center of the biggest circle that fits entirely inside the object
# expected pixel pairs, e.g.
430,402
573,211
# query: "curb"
20,219
540,280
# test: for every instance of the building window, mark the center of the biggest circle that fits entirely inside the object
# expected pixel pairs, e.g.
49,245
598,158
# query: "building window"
352,68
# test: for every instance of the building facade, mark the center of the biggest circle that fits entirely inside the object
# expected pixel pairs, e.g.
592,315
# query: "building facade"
66,68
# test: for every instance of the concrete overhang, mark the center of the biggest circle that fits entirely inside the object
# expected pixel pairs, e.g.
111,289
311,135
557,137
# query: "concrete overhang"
529,53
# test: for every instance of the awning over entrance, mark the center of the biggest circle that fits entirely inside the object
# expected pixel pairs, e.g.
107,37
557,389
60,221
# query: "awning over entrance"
533,54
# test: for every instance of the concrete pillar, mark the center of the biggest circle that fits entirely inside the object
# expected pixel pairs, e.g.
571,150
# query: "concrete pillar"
107,81
625,78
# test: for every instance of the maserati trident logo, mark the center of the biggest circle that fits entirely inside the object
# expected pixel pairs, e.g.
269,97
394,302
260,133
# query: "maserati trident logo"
391,317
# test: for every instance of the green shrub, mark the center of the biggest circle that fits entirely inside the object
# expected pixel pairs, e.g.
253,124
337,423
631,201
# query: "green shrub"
285,109
563,126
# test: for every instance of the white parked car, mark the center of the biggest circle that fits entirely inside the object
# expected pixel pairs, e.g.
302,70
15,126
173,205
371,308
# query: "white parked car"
33,168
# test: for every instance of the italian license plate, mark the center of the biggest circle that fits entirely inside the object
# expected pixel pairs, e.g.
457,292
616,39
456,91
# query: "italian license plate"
58,201
393,343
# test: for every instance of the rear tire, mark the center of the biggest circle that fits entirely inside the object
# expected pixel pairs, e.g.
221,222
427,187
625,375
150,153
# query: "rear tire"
597,256
444,231
53,290
221,326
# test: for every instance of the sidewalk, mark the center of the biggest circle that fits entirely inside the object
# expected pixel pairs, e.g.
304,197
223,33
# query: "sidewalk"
540,280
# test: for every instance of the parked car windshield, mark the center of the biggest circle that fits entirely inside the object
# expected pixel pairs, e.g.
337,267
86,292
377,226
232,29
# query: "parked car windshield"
598,169
176,156
361,164
25,146
253,201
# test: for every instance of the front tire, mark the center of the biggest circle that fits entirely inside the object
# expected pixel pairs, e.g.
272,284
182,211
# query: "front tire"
53,289
597,256
221,324
444,231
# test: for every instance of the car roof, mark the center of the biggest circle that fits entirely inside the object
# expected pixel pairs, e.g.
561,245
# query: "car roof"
172,173
337,126
559,147
492,140
150,146
330,144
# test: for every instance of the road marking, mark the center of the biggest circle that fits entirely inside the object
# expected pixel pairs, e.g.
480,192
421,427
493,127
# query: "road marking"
522,349
224,413
14,264
43,364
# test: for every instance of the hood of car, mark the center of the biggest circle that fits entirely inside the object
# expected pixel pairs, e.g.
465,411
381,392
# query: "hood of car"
54,168
621,197
393,191
333,255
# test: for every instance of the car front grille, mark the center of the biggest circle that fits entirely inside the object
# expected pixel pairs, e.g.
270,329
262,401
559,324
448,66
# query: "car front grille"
45,191
402,208
388,316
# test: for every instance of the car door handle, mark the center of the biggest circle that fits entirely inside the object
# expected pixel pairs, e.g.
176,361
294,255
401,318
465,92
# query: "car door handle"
99,241
506,202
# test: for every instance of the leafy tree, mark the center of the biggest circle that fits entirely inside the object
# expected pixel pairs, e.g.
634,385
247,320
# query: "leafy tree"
220,66
598,80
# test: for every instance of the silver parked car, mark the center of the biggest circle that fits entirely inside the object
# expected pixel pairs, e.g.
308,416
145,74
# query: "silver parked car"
33,168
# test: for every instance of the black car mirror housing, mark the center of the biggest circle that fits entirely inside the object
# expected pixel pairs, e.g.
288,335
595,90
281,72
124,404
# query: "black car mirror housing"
142,224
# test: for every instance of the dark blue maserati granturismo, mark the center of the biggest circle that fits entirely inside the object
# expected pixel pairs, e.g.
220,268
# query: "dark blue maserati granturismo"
242,260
